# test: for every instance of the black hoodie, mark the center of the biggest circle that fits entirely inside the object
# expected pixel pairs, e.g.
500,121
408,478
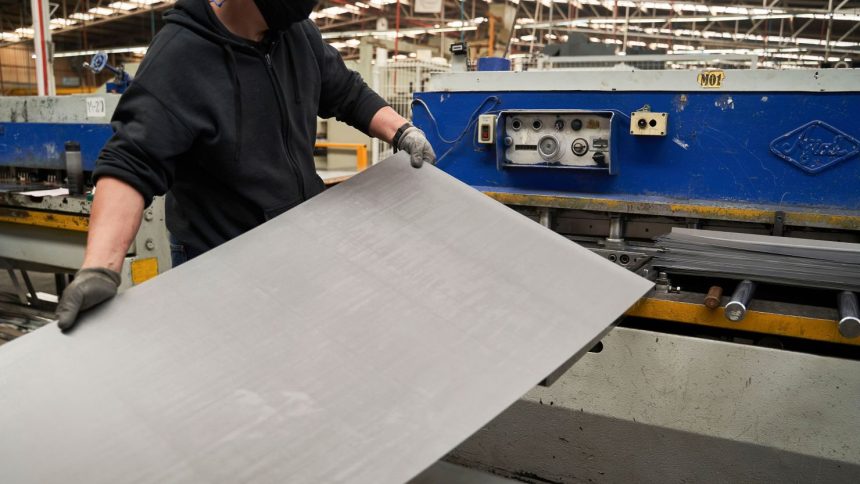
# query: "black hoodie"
226,127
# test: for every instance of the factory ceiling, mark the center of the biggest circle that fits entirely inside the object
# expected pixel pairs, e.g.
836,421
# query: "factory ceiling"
810,30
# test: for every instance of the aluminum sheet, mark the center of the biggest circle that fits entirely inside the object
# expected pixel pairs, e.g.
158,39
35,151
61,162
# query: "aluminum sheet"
356,338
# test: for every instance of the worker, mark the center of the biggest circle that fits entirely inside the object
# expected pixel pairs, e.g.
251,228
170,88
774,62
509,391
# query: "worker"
221,117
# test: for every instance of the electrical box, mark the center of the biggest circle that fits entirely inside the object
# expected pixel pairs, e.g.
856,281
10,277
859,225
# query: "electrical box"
487,129
558,139
646,123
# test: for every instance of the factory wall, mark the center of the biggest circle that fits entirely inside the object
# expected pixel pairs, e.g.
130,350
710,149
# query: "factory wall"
18,73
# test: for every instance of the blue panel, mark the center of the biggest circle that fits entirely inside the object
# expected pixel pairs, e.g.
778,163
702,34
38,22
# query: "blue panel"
40,145
718,146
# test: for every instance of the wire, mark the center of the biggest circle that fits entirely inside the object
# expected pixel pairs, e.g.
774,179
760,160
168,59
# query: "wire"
473,118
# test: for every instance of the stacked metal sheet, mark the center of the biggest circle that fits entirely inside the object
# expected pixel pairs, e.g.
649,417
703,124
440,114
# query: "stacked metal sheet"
357,338
779,260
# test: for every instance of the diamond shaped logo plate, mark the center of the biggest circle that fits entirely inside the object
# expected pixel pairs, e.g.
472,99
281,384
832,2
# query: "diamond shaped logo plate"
815,146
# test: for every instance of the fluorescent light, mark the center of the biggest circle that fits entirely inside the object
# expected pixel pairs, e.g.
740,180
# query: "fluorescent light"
82,16
141,49
101,11
124,6
62,22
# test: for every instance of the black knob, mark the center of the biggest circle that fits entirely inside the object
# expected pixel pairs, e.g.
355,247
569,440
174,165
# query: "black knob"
642,123
559,124
599,158
576,124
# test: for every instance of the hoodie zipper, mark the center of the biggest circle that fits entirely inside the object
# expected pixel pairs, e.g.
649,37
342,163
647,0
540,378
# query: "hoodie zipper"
282,107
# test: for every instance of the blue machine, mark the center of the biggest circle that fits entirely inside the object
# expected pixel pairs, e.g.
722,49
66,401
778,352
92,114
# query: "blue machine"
615,159
755,141
33,131
40,145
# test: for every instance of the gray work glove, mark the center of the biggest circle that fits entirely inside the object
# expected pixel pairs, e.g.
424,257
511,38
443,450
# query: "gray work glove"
415,143
91,287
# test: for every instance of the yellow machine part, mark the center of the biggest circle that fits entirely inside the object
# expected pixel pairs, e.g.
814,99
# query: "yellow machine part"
77,223
755,321
143,270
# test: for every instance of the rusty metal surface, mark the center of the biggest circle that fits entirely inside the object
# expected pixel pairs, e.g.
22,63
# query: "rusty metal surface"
357,338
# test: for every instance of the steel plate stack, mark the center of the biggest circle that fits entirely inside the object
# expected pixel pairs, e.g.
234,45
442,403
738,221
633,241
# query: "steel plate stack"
778,260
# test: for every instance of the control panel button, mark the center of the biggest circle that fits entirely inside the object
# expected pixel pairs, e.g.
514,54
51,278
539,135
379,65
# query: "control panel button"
647,123
549,148
599,158
576,124
579,147
487,129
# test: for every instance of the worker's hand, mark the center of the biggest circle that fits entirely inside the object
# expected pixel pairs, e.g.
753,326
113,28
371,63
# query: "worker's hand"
415,143
91,287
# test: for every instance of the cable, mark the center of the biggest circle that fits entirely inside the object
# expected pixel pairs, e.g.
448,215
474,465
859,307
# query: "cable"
473,118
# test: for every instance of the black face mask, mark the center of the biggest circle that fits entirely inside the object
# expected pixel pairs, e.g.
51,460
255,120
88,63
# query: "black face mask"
280,14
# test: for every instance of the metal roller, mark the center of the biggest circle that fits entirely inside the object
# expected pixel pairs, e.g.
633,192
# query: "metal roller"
715,295
736,309
849,315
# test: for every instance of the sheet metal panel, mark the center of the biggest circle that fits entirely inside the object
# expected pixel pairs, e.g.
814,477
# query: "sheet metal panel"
356,338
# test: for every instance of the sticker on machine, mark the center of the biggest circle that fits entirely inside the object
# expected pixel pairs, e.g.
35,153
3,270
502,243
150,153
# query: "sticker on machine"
711,79
96,107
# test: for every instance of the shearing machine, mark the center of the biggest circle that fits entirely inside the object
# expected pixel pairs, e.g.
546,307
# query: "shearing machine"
736,193
48,149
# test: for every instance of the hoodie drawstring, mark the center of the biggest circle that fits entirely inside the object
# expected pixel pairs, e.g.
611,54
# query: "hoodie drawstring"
237,98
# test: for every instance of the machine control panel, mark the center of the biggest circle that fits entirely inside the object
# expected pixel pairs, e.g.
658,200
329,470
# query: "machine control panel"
557,139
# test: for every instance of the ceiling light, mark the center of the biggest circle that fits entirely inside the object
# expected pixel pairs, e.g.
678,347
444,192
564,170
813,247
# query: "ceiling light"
124,6
104,12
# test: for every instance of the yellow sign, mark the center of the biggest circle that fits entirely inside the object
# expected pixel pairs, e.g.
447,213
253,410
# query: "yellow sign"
143,270
711,79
